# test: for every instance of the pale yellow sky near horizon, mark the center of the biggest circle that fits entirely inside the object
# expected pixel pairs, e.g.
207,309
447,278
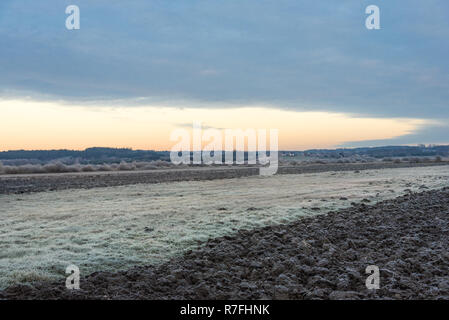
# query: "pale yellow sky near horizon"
27,124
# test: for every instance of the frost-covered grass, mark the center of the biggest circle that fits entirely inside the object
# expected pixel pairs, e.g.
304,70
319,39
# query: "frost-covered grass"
117,227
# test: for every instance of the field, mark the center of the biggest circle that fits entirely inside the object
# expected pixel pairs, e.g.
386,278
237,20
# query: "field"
116,228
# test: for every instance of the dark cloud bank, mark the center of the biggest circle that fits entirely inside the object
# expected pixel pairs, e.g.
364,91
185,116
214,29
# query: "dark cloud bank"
300,55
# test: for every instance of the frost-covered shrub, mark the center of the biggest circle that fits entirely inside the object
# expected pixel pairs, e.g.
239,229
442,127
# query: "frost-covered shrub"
161,163
87,168
104,167
55,167
124,166
59,167
28,168
144,165
31,169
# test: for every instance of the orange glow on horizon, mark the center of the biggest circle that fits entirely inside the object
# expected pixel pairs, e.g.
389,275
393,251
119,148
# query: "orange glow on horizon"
43,125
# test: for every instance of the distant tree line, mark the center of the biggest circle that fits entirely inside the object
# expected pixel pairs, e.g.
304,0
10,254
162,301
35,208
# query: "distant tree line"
99,155
381,152
90,155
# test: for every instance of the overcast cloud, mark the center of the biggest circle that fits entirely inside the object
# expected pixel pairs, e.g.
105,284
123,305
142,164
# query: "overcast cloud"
301,55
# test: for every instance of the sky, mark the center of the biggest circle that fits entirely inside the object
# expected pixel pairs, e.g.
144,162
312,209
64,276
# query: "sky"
137,70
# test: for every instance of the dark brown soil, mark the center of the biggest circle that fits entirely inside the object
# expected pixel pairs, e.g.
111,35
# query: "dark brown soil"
18,184
322,257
